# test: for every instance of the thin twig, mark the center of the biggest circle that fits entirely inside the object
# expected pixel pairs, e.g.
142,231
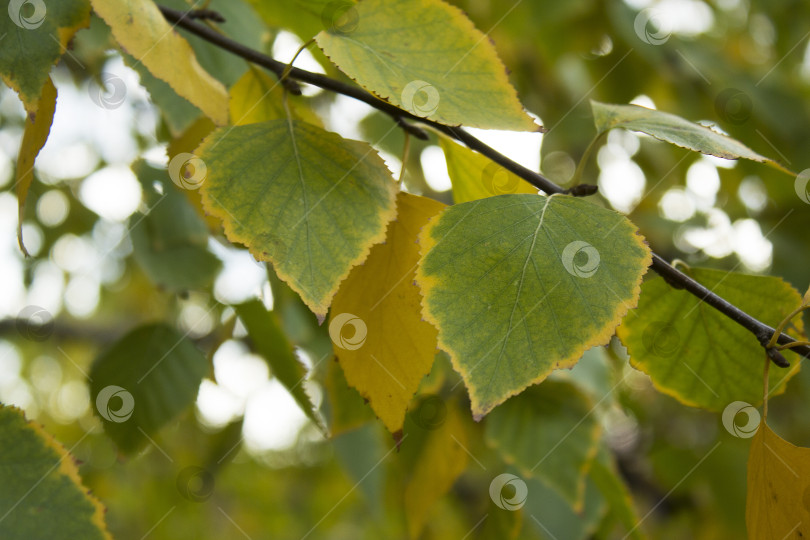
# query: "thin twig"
672,275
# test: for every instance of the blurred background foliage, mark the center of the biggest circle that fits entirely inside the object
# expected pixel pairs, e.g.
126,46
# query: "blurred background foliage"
99,268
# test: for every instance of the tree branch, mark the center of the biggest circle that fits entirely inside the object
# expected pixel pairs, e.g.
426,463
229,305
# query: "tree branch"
672,275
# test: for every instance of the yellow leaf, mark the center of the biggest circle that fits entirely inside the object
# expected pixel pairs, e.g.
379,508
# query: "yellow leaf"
141,30
381,303
257,97
442,459
186,143
778,504
37,128
474,176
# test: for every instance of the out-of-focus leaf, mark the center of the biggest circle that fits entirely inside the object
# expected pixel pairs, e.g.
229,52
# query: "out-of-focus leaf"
271,343
436,67
380,339
313,206
673,129
241,24
170,241
178,112
696,354
37,129
347,408
187,142
606,478
35,35
500,524
441,459
42,494
304,17
778,487
520,285
474,176
549,432
358,450
141,30
554,518
143,381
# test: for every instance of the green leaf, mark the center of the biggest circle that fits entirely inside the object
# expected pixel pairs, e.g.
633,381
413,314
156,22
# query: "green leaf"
271,343
548,432
699,356
604,476
143,381
37,129
437,66
554,519
42,494
241,24
437,457
178,112
35,34
313,206
520,285
474,176
500,524
347,410
356,451
141,30
305,17
170,241
673,129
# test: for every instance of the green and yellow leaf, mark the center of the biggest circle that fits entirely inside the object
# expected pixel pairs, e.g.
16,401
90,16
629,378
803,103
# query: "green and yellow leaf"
548,432
313,206
436,67
778,487
33,37
141,30
37,129
399,346
42,495
520,285
696,354
474,176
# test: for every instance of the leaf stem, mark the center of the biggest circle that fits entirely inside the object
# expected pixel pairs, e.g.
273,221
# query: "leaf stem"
673,276
405,150
785,322
586,156
765,382
793,345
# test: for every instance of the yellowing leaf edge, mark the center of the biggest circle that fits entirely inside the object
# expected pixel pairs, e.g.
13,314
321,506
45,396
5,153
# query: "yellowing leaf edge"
426,283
